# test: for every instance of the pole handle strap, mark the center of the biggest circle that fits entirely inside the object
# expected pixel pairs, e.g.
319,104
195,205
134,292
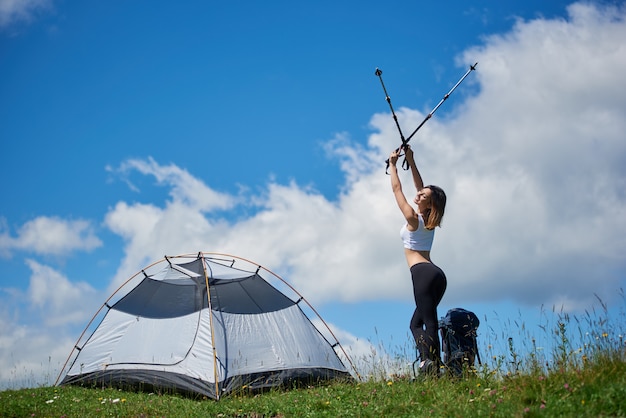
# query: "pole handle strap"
405,163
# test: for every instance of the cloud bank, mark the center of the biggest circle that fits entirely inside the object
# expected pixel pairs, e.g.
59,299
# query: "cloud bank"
533,164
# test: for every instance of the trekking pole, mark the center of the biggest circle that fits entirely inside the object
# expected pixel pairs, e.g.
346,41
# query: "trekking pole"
379,73
471,68
405,141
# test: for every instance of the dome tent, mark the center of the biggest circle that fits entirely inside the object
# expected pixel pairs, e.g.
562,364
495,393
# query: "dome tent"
202,325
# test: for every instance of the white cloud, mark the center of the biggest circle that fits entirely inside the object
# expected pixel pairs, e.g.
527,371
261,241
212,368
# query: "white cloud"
185,188
324,246
58,300
178,227
30,356
12,11
38,327
50,236
541,174
361,357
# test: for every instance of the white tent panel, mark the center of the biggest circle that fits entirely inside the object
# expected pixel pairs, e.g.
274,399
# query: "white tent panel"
199,362
126,339
142,338
178,274
274,341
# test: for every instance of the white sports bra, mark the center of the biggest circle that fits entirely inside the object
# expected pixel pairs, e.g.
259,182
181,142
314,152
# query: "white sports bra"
419,240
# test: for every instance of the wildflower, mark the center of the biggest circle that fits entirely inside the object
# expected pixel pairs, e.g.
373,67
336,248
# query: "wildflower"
478,385
123,399
543,406
50,401
389,383
116,400
566,386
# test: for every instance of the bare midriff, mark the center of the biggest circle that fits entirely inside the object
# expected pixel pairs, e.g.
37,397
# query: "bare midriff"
415,257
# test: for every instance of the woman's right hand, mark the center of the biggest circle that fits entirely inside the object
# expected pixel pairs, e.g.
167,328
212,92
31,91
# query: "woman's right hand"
393,158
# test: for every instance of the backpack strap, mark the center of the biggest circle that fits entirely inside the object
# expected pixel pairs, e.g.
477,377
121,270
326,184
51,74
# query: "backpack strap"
476,350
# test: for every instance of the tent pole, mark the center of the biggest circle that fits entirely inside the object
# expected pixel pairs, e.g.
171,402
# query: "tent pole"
208,293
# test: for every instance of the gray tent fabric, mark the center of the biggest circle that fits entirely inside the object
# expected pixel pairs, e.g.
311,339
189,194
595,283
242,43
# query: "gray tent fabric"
170,332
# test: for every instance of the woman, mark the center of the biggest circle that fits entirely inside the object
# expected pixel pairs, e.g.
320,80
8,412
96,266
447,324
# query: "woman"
429,281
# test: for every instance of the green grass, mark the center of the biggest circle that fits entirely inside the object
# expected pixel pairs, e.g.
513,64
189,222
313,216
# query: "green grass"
579,370
598,388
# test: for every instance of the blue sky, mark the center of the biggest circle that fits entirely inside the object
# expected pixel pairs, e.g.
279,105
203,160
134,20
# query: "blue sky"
131,130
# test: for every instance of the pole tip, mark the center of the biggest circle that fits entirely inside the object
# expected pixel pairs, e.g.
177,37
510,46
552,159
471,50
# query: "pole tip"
378,71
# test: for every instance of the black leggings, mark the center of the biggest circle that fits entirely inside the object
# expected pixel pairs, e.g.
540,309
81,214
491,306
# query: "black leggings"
429,285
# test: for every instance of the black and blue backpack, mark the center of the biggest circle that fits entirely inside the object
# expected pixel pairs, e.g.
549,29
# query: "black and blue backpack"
458,340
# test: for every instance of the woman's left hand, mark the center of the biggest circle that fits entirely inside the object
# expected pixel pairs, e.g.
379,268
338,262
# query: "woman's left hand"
408,153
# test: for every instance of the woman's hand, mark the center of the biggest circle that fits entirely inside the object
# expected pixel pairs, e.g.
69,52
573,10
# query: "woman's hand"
408,153
393,158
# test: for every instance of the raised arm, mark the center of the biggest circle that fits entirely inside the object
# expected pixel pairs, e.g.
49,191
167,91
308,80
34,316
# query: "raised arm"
396,186
417,178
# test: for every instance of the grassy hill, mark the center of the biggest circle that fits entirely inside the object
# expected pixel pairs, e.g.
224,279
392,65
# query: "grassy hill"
596,388
580,371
